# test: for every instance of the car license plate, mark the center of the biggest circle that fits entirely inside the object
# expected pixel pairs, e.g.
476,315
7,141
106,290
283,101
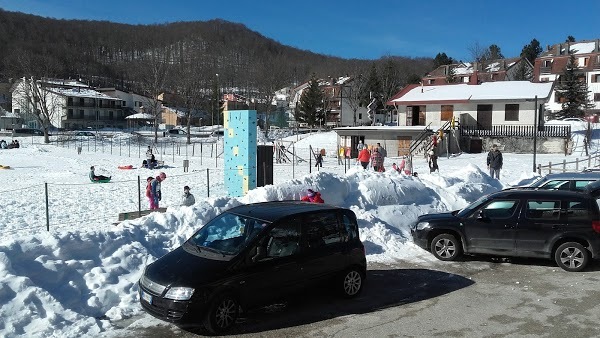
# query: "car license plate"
147,297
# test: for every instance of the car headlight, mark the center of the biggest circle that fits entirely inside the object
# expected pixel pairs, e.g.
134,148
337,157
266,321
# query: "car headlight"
180,293
422,225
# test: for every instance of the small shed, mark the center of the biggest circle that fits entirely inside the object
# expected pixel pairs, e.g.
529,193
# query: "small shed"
395,139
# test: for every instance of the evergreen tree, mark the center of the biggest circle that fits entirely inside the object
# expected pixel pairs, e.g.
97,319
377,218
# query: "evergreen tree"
311,103
570,38
531,51
373,87
442,59
451,76
523,73
494,53
573,91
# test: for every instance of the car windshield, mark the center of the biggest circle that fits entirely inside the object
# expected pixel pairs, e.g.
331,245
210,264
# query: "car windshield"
467,210
228,233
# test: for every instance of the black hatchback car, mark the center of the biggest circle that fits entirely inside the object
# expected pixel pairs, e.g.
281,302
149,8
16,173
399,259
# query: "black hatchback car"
252,254
559,225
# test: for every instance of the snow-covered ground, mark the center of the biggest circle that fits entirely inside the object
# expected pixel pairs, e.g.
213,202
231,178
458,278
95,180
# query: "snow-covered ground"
80,277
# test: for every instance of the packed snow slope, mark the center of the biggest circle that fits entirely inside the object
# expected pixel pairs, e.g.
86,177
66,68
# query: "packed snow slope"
77,280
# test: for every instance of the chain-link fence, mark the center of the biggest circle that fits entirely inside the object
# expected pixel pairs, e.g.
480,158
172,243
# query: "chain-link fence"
58,205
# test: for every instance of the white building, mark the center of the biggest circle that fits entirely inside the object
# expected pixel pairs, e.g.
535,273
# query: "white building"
71,105
551,64
484,105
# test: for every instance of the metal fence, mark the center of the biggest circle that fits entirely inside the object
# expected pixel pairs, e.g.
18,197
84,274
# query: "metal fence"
57,205
563,131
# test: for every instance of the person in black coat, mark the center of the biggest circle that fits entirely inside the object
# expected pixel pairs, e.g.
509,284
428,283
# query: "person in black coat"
494,161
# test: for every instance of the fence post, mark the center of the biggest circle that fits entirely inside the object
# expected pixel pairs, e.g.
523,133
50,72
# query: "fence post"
589,161
207,183
549,167
577,164
564,165
47,209
139,197
539,169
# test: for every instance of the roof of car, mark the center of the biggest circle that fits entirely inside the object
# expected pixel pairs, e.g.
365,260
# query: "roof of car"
273,211
520,191
578,175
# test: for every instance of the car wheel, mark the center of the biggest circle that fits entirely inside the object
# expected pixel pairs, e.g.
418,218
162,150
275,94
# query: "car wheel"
352,282
572,256
445,247
222,314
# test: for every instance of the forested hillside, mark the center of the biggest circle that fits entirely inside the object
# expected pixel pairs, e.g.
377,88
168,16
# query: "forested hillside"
170,55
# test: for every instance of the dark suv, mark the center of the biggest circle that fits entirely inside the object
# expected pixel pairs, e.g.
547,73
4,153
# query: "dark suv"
252,254
562,225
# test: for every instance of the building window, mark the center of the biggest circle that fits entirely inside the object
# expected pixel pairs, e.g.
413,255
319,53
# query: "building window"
465,79
544,79
511,112
81,101
111,115
430,81
595,77
17,111
360,116
596,96
547,63
447,112
583,62
70,113
124,103
81,113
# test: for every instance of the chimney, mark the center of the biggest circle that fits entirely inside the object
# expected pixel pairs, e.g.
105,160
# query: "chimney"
597,49
548,47
558,49
473,79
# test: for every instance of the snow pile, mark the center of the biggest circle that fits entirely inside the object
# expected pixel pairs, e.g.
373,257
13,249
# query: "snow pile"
80,278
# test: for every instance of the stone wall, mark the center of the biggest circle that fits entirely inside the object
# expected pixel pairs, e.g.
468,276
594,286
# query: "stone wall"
545,145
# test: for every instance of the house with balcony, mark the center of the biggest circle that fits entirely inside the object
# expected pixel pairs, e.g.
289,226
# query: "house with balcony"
505,112
71,105
550,65
509,69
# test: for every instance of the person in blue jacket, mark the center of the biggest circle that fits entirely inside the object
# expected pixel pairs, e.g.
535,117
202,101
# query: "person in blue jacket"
155,192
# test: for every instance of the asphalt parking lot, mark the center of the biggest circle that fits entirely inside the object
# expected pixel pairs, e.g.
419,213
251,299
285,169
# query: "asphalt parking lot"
481,297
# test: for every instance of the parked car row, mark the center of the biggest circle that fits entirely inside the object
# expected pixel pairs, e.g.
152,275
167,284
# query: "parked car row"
255,253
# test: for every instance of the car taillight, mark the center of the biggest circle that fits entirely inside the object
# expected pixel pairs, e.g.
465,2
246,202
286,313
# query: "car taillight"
596,226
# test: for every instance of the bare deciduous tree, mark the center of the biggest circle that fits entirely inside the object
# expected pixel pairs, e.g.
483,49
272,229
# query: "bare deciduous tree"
36,99
152,70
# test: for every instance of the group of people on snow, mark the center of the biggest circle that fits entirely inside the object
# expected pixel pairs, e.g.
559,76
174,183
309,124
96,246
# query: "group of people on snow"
376,156
13,144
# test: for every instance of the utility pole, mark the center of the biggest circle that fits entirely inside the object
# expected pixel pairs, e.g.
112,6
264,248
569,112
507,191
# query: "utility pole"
535,131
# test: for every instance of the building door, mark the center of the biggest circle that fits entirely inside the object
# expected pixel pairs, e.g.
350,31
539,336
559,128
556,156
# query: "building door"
484,116
404,145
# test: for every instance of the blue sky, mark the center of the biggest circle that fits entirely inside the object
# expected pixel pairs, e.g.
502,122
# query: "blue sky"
357,29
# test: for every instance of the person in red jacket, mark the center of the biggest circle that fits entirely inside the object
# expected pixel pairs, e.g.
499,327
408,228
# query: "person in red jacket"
364,156
312,196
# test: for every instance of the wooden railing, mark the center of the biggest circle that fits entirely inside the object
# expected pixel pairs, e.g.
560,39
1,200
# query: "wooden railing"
563,131
591,161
